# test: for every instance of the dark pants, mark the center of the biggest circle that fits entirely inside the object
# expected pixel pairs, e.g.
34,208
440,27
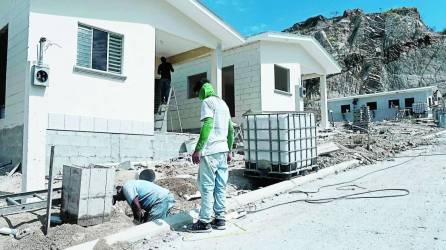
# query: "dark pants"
165,89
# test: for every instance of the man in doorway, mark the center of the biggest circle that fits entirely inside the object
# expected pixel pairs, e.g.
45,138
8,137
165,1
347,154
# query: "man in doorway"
212,153
147,200
164,70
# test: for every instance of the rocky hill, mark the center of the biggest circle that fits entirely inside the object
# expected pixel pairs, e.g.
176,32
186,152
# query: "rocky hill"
378,51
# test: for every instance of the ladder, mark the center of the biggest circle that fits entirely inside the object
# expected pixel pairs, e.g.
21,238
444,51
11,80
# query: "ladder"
163,109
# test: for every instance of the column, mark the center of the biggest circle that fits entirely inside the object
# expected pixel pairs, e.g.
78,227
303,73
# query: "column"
34,138
216,69
324,110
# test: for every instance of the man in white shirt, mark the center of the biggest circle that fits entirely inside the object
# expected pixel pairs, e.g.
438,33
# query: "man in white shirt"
212,153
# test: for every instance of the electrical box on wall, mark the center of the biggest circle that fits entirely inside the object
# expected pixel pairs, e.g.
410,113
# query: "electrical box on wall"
41,75
303,91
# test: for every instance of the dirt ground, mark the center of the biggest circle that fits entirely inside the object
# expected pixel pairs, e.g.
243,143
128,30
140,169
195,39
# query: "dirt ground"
180,177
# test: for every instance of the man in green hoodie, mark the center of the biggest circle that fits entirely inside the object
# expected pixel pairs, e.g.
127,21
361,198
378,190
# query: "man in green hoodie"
212,153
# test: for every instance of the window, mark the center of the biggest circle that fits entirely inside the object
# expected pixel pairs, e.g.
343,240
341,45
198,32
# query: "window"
281,78
372,105
408,102
394,103
345,108
99,50
191,81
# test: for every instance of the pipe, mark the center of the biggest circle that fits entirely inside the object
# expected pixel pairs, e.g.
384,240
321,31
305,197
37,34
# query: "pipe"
42,42
8,231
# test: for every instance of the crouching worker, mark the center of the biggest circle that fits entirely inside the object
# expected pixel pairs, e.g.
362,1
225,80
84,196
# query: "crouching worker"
147,200
212,153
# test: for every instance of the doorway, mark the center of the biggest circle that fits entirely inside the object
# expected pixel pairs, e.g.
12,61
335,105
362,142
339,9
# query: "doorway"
3,65
228,88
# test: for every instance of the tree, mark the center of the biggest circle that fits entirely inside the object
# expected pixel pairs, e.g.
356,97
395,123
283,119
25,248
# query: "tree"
443,32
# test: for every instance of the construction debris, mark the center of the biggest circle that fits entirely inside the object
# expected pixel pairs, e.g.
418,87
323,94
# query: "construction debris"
180,176
327,148
386,139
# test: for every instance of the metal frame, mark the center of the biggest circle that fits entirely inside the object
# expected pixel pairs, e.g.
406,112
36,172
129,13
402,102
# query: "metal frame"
279,169
19,204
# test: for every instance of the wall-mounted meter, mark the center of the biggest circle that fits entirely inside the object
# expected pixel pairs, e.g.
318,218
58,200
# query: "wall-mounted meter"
41,75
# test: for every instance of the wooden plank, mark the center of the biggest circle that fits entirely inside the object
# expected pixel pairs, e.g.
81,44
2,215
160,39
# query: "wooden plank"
189,55
327,148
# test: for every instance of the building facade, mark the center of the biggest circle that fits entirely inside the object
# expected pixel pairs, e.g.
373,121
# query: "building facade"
265,74
384,105
98,105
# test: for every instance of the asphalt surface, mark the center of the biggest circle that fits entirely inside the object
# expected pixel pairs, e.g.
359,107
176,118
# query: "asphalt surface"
415,221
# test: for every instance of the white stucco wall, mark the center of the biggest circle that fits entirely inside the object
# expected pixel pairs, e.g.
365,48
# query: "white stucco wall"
246,61
96,96
15,14
84,102
287,55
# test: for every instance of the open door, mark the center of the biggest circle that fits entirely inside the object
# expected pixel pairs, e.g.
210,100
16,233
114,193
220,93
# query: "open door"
228,88
3,65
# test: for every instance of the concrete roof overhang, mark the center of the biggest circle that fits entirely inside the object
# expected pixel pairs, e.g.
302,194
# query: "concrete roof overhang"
193,9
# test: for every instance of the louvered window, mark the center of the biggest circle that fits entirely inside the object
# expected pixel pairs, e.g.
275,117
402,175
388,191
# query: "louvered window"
98,49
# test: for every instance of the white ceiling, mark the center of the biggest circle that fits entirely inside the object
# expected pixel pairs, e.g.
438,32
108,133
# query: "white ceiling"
168,45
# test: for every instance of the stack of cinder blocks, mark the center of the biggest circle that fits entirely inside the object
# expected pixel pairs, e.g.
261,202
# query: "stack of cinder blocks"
87,194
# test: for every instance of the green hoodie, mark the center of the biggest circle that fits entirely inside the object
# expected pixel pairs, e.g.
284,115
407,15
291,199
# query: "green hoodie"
207,91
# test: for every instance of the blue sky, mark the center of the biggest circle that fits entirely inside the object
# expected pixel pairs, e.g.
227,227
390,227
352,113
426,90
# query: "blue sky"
254,16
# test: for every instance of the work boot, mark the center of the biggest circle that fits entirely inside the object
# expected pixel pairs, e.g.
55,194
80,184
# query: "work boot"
199,227
218,224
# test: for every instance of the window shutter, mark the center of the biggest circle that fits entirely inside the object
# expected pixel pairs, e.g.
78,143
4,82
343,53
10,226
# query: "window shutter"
115,54
84,42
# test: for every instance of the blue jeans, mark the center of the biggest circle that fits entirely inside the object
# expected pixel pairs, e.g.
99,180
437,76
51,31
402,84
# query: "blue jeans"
212,180
165,89
161,209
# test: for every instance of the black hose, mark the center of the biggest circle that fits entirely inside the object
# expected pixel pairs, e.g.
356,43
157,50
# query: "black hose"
403,191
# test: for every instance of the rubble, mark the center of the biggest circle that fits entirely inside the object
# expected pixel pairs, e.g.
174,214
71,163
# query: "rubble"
386,139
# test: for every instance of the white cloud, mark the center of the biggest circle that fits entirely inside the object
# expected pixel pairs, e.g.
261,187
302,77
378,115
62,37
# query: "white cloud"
238,5
261,27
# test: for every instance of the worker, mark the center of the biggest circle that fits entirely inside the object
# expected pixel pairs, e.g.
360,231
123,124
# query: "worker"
164,70
147,200
212,153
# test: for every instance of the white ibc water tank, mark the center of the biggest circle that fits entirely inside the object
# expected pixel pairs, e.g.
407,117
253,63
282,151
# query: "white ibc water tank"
276,140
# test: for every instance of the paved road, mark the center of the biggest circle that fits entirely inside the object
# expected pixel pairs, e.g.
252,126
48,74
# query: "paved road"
416,221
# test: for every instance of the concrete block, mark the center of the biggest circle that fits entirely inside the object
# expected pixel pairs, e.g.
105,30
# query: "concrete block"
126,127
86,124
72,122
87,194
56,121
113,126
100,125
138,127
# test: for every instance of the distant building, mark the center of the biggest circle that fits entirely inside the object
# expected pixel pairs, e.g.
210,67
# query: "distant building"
384,105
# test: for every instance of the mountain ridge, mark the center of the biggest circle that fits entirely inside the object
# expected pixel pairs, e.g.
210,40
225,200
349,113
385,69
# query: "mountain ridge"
378,52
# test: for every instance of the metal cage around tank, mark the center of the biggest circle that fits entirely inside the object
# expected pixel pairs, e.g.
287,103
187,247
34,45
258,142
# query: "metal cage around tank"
279,145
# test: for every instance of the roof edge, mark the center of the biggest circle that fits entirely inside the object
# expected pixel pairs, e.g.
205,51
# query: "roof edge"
218,19
433,88
296,37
